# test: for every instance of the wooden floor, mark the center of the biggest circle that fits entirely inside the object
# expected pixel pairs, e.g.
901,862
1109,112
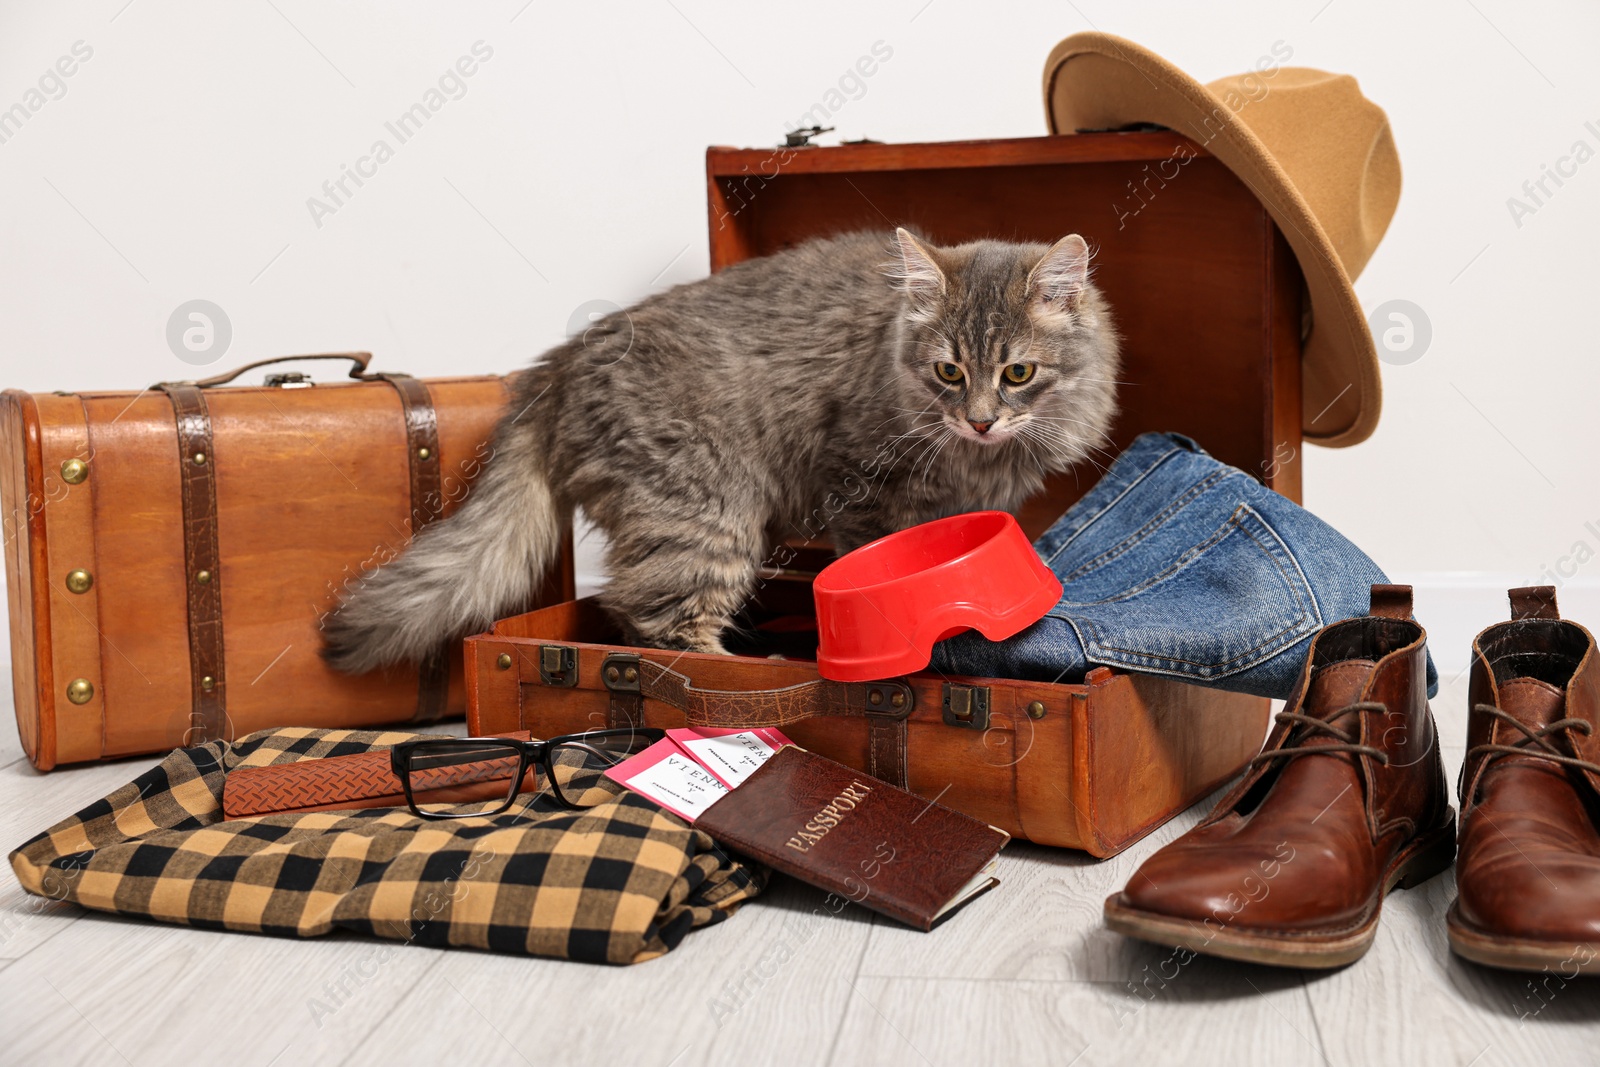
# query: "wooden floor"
1026,975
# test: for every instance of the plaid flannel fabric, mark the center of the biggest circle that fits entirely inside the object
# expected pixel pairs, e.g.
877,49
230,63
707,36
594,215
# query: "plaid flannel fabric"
620,882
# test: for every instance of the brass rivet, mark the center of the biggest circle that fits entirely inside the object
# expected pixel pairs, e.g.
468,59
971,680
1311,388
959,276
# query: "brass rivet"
898,700
203,577
631,674
424,453
611,674
1036,710
74,471
80,691
79,581
208,683
200,459
504,662
875,697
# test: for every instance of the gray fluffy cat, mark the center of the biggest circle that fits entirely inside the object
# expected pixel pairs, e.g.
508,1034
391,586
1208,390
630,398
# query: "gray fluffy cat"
821,391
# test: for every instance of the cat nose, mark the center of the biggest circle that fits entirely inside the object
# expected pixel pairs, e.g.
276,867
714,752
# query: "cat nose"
981,427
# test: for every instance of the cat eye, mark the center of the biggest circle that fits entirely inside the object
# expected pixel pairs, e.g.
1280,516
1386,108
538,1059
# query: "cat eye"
1018,373
948,372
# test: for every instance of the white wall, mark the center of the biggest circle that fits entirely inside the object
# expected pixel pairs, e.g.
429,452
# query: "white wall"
179,162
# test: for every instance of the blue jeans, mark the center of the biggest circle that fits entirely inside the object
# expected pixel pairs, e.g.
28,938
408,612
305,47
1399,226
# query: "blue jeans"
1177,564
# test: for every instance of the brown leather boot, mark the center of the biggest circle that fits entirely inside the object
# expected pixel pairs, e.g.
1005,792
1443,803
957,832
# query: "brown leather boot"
1347,800
1528,876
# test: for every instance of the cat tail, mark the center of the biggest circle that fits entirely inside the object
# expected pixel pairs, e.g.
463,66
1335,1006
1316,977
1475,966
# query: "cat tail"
459,574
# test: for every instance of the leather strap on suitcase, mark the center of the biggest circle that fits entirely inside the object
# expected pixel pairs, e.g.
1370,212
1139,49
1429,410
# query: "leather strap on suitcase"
208,707
885,705
427,502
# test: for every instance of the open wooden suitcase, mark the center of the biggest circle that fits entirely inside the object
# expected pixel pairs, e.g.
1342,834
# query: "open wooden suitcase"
1207,295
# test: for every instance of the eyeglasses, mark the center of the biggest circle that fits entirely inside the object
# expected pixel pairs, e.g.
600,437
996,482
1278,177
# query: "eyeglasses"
455,770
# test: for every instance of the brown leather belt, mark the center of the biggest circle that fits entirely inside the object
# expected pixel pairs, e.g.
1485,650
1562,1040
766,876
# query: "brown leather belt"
203,558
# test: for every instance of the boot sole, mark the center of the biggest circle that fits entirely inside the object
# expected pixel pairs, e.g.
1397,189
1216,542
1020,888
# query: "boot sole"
1426,856
1519,953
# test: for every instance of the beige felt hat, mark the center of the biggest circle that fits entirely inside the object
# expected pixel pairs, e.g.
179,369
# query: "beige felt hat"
1316,152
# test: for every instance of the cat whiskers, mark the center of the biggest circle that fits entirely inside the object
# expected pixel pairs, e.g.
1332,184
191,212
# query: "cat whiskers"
897,413
1074,447
1025,439
1031,435
1063,448
890,380
939,445
1099,431
922,442
917,429
918,432
927,441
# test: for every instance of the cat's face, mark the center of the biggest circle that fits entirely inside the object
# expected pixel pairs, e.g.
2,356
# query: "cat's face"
1009,344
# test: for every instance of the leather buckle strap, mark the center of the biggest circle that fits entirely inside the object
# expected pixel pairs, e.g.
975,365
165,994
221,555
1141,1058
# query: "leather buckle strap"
884,704
619,673
886,749
751,708
433,686
624,711
202,563
427,504
422,440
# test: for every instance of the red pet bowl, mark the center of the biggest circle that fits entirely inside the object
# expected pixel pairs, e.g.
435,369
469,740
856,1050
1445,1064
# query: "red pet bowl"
881,608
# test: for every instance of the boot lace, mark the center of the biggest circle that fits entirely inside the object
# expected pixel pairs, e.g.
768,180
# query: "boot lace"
1535,742
1292,747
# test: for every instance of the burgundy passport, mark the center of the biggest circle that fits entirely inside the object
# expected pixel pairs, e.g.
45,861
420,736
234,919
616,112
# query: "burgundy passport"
844,831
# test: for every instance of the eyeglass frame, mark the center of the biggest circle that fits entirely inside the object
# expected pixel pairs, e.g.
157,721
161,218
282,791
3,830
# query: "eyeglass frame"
530,754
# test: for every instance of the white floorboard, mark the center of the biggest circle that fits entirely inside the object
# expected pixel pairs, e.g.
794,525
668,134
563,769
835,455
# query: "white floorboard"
1026,975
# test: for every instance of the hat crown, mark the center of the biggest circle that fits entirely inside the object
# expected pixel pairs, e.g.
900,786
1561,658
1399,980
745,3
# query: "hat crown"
1332,143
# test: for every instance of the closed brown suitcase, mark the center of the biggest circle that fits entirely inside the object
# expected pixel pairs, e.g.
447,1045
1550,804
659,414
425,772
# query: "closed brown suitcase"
1207,296
169,552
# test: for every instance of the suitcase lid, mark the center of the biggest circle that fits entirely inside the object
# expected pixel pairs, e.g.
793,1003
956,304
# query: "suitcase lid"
1205,290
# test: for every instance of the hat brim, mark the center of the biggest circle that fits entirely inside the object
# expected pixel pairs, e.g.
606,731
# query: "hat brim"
1099,81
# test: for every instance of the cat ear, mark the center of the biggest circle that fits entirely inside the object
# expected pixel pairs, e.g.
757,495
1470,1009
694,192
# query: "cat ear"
1062,275
916,273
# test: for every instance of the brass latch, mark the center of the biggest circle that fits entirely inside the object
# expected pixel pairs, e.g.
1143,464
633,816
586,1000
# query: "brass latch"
967,706
558,665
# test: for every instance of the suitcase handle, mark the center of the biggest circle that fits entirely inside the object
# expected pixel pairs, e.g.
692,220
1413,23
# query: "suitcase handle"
359,372
750,708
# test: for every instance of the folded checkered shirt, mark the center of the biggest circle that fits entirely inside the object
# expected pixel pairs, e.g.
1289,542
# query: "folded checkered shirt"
620,882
